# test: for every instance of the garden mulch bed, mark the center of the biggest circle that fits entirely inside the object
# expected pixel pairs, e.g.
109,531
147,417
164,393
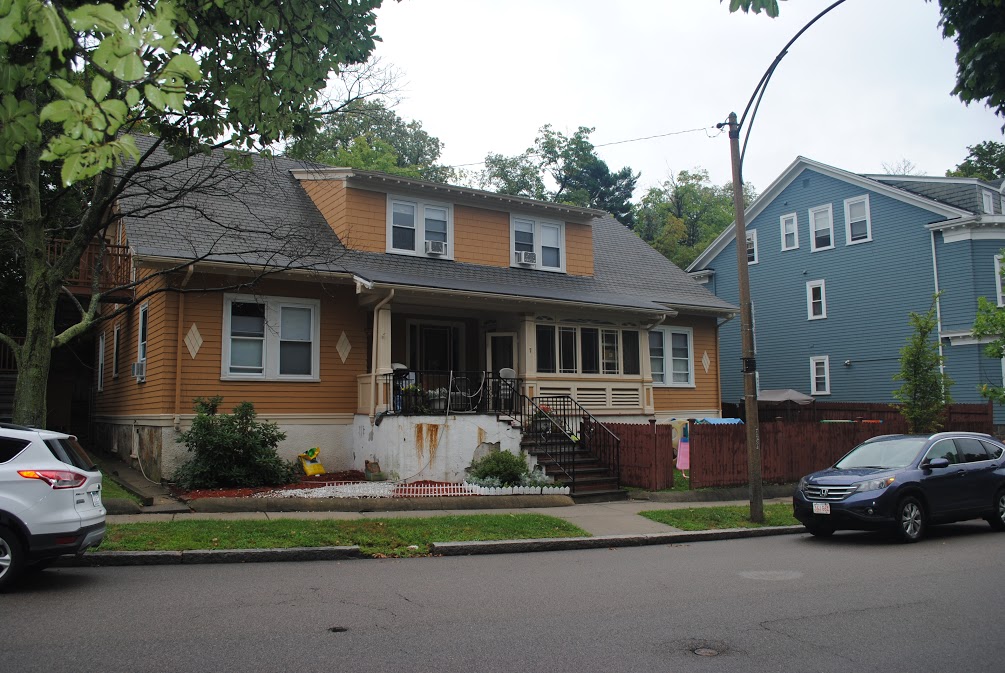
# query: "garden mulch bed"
313,481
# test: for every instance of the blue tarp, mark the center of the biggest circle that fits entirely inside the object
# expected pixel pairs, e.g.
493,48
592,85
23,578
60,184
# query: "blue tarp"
719,421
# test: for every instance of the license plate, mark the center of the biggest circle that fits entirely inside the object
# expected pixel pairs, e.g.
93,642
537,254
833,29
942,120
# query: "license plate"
96,498
821,508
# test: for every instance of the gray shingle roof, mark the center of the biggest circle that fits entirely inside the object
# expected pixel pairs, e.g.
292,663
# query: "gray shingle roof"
205,208
962,193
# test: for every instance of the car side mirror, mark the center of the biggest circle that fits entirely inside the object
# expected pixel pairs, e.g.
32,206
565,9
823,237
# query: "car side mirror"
936,463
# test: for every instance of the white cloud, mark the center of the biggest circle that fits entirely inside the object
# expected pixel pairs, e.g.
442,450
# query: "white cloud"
868,84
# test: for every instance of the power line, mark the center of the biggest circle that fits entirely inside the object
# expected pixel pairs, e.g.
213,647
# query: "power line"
717,132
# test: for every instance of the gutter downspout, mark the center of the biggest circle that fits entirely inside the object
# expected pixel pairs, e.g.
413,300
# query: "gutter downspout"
938,306
178,347
373,355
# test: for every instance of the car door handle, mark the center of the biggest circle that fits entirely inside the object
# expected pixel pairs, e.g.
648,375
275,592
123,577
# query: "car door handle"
960,473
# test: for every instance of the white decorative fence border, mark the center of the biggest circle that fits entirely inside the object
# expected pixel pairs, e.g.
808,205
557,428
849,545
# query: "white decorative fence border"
517,490
387,489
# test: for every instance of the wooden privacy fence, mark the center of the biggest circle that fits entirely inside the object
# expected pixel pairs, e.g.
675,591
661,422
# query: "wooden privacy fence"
646,454
970,417
791,450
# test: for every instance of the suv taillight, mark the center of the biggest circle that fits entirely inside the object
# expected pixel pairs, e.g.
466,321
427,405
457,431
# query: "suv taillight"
55,478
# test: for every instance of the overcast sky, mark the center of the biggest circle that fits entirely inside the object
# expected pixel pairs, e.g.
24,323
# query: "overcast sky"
868,84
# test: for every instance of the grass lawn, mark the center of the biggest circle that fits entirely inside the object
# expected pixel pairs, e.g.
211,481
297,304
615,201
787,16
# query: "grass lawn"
111,489
376,537
708,518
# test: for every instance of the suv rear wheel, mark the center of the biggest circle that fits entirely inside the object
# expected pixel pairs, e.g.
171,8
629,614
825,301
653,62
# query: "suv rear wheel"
997,519
11,557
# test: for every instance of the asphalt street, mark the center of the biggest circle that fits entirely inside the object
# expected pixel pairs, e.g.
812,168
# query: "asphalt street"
792,603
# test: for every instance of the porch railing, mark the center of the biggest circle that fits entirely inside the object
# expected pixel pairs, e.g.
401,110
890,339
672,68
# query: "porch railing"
115,267
415,392
560,414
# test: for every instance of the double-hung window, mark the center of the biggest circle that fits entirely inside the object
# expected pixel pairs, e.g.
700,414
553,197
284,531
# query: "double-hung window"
543,239
790,232
821,228
816,300
820,375
857,222
587,350
141,345
987,201
101,362
115,352
271,338
998,280
752,246
418,227
671,356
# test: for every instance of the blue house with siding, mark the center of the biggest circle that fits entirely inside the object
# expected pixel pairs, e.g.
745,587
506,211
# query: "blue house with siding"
836,262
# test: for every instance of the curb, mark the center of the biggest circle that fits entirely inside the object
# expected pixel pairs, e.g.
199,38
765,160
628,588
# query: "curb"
154,558
228,505
713,495
609,541
202,556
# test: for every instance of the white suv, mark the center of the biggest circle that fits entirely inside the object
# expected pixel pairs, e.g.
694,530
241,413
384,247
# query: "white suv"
50,500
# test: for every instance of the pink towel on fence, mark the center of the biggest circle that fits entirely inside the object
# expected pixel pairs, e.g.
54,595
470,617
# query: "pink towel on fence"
683,455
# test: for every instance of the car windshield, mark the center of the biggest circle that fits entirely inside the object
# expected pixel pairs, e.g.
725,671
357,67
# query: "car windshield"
883,453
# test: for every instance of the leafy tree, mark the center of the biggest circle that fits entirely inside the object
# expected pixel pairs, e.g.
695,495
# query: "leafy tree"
365,134
924,393
571,164
990,324
682,216
984,160
977,26
78,80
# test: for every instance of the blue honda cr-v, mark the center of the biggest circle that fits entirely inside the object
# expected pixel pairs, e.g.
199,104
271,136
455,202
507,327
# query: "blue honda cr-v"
906,483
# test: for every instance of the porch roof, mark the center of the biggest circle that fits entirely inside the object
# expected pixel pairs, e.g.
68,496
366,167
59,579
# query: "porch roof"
205,209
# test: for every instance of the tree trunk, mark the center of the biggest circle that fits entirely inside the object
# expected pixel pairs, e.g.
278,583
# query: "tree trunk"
40,292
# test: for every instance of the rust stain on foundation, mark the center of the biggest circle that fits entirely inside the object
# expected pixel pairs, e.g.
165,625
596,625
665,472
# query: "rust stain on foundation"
432,439
420,444
482,436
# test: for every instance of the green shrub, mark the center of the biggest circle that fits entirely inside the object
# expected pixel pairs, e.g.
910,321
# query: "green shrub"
232,449
508,468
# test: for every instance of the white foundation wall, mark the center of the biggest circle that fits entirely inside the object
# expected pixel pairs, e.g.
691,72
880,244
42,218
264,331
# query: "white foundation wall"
155,441
436,448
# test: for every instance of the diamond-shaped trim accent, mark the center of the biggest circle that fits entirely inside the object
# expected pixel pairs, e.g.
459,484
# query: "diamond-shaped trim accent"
343,347
705,362
193,341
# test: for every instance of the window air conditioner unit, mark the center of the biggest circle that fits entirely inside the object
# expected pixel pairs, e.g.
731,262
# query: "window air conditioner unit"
139,371
526,258
436,248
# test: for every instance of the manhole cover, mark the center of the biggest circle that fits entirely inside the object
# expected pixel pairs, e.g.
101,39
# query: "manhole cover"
705,652
338,629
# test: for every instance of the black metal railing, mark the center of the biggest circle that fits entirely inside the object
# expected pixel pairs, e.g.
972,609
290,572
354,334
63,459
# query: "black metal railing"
564,431
414,393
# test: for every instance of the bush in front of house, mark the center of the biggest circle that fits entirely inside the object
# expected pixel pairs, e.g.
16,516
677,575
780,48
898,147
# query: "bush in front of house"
234,449
507,468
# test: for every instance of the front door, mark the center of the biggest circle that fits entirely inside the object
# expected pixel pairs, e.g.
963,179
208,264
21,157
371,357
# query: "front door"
435,346
501,351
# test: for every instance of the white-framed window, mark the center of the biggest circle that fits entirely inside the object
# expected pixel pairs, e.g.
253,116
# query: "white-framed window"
101,362
987,201
821,228
271,338
1002,204
857,220
141,343
587,350
752,247
820,375
115,352
544,238
816,300
420,227
998,280
790,231
671,356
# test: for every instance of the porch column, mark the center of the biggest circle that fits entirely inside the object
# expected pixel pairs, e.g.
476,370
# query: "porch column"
648,398
527,353
384,340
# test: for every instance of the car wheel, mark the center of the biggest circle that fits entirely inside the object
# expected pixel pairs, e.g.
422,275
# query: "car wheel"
11,557
820,529
911,522
997,520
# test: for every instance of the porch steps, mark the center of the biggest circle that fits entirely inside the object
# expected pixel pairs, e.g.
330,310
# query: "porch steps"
594,482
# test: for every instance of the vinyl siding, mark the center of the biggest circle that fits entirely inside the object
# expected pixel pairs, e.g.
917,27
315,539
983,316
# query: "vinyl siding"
705,394
481,236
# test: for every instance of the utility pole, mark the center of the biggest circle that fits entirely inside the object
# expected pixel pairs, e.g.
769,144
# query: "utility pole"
746,333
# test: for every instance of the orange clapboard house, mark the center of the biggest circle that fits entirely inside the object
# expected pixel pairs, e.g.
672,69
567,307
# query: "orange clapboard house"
384,318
